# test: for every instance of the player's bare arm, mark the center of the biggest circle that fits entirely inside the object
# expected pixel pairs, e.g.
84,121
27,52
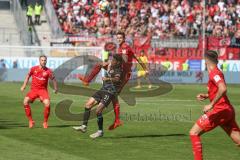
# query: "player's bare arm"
25,82
55,85
202,96
222,89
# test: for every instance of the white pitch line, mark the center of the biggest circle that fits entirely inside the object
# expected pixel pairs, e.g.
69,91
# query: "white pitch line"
168,100
167,104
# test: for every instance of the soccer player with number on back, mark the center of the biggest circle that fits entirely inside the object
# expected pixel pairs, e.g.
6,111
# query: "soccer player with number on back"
128,55
219,112
103,97
40,75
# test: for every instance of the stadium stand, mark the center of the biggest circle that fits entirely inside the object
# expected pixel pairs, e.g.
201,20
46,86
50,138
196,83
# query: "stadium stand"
163,18
9,34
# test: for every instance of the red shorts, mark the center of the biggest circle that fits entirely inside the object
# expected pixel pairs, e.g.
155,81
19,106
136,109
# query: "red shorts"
219,117
41,94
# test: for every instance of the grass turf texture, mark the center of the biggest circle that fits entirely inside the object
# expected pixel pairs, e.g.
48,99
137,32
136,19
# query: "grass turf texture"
141,137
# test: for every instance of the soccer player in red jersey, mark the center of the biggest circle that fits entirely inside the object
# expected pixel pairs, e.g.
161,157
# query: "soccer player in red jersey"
40,75
219,112
128,55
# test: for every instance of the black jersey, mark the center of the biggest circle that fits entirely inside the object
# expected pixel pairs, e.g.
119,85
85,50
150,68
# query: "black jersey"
113,87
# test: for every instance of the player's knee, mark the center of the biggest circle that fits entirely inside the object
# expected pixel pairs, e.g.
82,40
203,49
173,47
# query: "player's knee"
193,132
25,101
46,102
98,112
88,106
237,143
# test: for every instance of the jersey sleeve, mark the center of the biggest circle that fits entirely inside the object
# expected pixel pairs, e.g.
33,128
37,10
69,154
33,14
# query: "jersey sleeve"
217,78
30,73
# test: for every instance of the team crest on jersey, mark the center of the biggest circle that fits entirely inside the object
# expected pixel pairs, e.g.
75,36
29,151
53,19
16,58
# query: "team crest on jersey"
217,78
124,51
44,74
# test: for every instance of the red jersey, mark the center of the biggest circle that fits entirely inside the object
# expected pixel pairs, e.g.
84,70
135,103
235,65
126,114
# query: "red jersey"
124,48
40,77
216,77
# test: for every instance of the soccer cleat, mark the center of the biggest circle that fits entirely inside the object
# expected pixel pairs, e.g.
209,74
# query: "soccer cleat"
31,124
45,125
115,125
81,128
81,78
99,133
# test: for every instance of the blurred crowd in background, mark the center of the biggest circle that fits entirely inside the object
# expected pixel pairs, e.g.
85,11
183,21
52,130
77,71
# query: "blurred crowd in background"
161,18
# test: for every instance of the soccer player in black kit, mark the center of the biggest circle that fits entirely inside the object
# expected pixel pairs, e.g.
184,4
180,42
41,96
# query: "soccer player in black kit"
103,97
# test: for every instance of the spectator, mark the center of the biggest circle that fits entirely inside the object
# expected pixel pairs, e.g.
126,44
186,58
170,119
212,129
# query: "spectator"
185,66
2,64
164,19
2,70
37,12
224,66
30,14
15,64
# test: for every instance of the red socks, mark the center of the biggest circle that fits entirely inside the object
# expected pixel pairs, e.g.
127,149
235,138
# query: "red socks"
28,112
116,107
46,113
96,69
196,147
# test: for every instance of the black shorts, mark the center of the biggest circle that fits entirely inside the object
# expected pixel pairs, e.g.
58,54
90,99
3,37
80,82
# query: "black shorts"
103,97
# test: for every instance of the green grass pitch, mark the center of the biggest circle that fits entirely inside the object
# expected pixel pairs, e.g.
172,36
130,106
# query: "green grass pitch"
164,137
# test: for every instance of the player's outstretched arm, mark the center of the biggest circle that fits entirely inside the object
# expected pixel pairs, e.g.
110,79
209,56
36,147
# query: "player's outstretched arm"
55,85
25,82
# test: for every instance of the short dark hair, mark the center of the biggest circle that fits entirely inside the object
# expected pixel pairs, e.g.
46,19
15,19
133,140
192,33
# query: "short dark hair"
212,56
121,33
42,56
118,58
